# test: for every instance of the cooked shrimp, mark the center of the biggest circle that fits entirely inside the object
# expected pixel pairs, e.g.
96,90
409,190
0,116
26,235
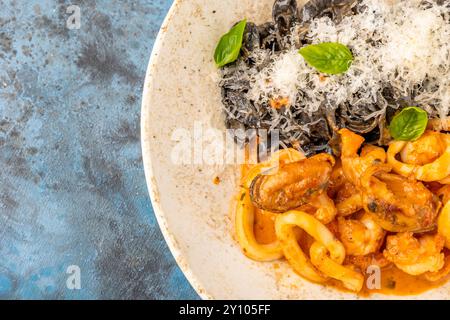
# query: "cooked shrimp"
425,150
347,198
439,124
355,165
415,256
322,207
398,204
426,159
293,184
362,236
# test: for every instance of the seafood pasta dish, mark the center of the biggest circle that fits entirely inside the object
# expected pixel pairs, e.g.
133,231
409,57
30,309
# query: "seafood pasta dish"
350,102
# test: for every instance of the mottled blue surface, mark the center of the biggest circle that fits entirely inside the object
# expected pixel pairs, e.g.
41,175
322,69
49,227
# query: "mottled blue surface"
72,187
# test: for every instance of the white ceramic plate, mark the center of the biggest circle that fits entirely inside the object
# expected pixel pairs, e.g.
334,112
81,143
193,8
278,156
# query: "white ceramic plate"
193,213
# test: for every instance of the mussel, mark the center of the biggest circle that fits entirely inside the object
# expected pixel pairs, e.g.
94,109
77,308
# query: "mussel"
293,184
355,119
398,204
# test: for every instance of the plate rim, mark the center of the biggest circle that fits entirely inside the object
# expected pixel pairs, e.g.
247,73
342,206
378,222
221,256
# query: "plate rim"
152,186
147,162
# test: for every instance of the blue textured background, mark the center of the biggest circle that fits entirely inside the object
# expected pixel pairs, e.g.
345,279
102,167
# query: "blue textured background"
72,187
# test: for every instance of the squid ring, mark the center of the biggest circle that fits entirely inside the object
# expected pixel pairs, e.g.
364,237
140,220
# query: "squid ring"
399,167
434,171
351,279
444,224
326,210
245,215
245,218
284,225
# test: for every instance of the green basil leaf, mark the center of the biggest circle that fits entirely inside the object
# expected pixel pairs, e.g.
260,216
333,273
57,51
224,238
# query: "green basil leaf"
328,57
230,44
409,124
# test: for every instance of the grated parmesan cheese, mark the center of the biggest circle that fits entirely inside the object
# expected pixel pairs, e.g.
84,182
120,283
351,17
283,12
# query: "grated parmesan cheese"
402,46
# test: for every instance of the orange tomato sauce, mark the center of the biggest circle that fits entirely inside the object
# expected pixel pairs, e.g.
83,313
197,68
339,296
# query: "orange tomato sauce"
393,280
396,282
264,227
